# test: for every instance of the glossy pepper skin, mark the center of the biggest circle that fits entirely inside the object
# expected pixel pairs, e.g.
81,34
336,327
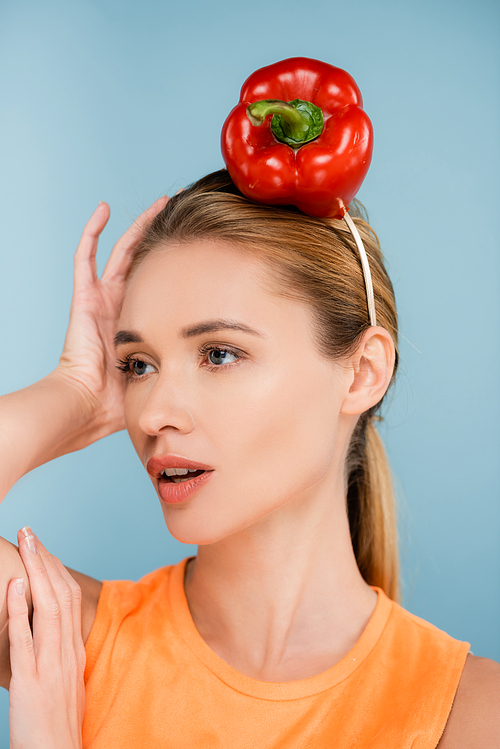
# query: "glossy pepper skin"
320,177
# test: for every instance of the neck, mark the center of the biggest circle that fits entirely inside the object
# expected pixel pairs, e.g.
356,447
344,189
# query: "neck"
283,599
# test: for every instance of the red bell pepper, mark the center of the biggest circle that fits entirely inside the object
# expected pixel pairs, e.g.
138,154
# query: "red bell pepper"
314,152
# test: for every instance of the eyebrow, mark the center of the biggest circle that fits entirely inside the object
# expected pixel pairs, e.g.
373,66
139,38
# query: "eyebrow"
126,336
210,326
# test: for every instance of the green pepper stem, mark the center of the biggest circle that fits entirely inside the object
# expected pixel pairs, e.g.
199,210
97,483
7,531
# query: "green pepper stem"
295,122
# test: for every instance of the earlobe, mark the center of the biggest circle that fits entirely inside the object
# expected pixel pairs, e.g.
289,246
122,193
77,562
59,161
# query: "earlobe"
371,366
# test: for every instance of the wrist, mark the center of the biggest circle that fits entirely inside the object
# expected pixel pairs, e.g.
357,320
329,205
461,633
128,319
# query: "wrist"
72,394
83,419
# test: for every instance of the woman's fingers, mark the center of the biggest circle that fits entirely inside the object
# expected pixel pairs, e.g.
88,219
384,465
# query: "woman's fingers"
22,658
47,690
48,610
85,265
123,251
66,588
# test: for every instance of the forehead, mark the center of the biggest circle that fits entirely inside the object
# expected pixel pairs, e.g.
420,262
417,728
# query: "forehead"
187,282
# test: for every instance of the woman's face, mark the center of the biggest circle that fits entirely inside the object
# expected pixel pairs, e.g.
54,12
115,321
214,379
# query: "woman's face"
262,408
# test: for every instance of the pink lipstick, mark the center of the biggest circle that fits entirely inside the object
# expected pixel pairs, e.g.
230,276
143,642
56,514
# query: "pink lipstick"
174,487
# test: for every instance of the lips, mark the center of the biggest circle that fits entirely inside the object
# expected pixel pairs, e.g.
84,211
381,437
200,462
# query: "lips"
156,465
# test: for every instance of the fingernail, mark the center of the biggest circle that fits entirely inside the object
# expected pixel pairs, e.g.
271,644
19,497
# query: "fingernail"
26,530
20,586
30,540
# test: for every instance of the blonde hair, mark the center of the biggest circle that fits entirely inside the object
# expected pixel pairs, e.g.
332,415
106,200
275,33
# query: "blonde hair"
315,261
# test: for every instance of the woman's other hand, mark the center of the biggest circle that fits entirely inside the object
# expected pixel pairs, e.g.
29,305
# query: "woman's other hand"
46,692
88,358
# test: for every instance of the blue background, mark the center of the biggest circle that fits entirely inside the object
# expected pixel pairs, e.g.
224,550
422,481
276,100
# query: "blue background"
124,101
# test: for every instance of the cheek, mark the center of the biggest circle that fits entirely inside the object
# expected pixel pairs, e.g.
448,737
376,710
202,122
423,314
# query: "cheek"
277,435
274,437
135,398
291,427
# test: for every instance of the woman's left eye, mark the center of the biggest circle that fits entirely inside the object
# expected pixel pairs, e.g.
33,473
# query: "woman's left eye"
219,357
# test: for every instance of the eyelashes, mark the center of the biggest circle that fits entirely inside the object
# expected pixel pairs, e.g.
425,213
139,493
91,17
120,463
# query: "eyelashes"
125,365
130,364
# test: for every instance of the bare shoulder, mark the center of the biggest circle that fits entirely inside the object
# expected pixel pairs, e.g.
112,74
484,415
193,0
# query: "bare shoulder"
91,591
474,719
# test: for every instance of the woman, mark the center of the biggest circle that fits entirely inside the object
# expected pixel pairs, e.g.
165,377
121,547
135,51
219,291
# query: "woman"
246,356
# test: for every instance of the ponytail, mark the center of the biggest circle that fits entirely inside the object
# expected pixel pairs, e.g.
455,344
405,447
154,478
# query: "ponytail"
371,508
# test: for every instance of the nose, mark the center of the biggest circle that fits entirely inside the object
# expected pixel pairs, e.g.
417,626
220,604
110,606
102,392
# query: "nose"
166,406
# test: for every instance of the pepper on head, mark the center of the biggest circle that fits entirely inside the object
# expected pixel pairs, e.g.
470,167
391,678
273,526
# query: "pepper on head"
299,136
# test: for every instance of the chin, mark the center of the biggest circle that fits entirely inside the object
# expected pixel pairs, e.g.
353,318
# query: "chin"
186,528
190,526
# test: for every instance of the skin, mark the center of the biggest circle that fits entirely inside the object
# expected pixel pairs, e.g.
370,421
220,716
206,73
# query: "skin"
46,691
275,426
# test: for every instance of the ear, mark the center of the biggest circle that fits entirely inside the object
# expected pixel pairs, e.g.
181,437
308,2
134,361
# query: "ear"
370,370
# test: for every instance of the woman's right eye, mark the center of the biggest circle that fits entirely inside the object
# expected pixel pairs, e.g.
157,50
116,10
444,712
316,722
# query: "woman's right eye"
134,368
139,367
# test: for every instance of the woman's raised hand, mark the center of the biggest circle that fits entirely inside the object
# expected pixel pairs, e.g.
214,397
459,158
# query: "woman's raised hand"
46,691
81,400
88,358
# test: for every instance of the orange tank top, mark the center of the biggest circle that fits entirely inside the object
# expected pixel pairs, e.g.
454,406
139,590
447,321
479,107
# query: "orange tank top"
152,681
